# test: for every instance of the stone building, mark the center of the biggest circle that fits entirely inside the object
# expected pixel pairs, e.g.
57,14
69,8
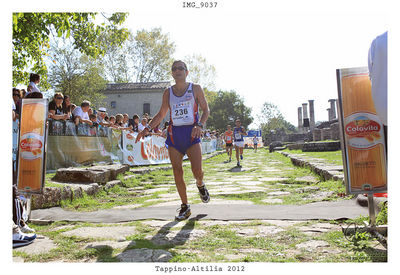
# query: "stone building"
134,98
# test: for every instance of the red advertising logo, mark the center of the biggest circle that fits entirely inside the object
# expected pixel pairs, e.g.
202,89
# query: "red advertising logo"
363,127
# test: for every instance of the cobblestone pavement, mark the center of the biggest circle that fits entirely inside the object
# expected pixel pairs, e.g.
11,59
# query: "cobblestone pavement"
264,179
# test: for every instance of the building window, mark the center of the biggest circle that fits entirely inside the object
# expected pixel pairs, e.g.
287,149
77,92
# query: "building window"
146,108
113,104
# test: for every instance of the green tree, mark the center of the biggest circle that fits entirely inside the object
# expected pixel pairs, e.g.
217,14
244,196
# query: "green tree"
226,107
77,75
271,121
31,38
116,59
151,54
200,71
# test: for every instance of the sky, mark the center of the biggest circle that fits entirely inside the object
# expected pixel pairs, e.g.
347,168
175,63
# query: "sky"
280,53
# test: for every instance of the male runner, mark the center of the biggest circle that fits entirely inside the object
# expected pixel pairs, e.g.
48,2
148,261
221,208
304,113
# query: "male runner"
228,137
255,143
238,133
184,131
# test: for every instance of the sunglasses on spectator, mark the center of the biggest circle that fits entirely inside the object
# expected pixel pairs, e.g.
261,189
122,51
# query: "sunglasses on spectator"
181,68
16,95
59,97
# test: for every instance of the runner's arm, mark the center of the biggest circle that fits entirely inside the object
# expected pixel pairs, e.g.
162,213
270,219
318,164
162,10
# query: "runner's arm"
158,117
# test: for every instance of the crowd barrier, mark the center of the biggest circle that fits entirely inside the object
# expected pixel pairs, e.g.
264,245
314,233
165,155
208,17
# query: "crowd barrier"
75,145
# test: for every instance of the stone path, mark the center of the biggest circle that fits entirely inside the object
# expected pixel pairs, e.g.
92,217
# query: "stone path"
267,211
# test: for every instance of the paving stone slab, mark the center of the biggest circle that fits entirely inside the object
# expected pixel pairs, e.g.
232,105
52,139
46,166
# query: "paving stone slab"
144,255
40,245
312,245
259,231
279,193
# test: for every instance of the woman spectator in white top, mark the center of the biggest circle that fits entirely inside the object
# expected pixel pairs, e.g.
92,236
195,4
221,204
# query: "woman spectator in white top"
81,113
56,109
34,79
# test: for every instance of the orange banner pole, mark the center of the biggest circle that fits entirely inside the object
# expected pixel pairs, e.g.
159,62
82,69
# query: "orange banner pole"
32,145
363,145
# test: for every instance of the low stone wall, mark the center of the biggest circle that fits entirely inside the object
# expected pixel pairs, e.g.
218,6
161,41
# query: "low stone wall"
52,196
296,146
321,146
325,170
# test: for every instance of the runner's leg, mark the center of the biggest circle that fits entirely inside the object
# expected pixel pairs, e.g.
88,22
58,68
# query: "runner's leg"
195,157
176,160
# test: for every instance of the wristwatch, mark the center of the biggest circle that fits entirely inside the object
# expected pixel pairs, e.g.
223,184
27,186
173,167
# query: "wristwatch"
199,124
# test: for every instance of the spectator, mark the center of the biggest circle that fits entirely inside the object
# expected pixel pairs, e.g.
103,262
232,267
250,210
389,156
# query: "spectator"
165,129
112,121
118,120
107,119
16,103
93,119
67,106
142,125
134,122
73,106
125,122
32,86
101,117
23,93
81,113
90,111
56,110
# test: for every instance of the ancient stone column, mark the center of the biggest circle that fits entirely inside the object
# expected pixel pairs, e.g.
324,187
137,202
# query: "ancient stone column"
312,118
329,114
300,120
333,108
305,117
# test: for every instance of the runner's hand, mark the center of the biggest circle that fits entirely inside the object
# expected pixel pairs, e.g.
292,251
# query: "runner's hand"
196,132
140,135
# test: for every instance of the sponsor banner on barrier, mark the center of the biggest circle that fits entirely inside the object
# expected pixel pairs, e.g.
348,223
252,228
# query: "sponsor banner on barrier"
152,149
31,145
362,134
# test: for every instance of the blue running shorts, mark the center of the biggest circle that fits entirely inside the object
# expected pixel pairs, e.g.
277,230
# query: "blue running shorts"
180,137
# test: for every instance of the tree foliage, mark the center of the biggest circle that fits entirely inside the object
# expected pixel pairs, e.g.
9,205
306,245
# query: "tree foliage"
225,108
200,71
151,55
31,38
272,120
77,75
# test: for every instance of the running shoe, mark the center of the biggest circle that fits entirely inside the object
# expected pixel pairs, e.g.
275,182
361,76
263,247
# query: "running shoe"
204,195
27,229
184,212
241,157
21,239
238,164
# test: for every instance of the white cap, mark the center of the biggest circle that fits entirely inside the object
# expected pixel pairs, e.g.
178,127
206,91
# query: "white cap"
102,109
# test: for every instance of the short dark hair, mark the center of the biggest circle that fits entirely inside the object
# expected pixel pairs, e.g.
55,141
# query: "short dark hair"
33,77
176,61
